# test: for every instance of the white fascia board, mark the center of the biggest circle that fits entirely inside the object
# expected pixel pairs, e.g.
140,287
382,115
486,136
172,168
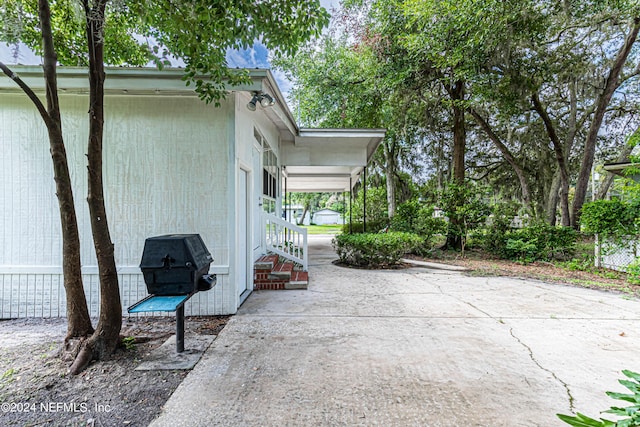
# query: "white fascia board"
122,80
342,133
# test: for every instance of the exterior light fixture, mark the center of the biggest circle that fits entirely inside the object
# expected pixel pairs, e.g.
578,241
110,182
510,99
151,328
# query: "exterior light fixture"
267,100
264,99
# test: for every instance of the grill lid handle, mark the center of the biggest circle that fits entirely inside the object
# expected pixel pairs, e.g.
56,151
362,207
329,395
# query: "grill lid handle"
167,261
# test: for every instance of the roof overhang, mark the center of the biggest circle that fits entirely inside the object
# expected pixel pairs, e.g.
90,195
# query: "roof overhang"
330,160
620,168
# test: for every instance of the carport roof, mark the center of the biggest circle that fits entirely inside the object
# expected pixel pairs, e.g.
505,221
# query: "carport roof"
328,159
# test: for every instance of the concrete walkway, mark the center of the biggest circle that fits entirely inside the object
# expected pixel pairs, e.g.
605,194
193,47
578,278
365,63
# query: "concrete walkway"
414,347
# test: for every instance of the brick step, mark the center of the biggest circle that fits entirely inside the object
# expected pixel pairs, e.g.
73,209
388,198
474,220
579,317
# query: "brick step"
266,262
269,273
282,270
299,280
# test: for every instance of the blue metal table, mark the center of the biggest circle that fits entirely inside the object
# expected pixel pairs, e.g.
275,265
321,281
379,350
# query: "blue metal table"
165,303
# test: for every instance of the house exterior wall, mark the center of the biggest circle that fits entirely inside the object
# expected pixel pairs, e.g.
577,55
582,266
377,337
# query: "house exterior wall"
166,170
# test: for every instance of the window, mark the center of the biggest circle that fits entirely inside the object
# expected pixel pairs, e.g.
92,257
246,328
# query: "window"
270,175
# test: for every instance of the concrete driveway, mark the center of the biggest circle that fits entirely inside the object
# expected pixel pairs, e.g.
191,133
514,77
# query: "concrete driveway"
413,347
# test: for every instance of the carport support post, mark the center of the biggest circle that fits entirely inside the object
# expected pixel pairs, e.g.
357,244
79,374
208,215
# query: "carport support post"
364,198
350,209
180,329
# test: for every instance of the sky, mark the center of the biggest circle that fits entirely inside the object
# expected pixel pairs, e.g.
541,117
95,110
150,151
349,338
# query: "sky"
256,57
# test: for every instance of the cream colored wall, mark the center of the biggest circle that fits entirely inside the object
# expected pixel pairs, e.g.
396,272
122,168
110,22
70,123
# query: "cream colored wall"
167,170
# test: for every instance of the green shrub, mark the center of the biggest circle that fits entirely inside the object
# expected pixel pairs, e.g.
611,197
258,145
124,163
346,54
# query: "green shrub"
374,249
539,241
633,271
525,251
494,238
358,227
466,208
414,217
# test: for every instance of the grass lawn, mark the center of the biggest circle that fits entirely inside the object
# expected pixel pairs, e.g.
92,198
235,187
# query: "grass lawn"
323,229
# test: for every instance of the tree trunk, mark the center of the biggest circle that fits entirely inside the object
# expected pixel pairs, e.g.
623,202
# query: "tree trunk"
105,339
561,158
552,200
78,320
612,83
304,213
390,172
522,179
457,92
459,132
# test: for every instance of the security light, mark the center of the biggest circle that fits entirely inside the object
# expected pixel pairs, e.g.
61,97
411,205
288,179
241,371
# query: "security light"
264,99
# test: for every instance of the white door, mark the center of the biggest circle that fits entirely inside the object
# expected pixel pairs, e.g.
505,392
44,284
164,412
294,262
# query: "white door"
256,205
244,241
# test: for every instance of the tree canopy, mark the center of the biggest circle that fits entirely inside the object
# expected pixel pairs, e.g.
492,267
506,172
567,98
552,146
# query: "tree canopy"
522,95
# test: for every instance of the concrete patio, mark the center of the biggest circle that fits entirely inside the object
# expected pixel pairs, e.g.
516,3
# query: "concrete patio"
413,347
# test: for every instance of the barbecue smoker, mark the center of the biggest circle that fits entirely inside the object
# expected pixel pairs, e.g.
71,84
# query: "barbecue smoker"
174,267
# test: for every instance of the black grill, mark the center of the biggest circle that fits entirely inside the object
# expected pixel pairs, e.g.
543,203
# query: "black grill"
176,264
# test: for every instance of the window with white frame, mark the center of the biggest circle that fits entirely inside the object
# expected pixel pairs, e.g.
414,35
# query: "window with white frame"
270,175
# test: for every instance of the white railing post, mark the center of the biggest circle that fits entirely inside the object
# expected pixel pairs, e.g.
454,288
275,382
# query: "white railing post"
286,239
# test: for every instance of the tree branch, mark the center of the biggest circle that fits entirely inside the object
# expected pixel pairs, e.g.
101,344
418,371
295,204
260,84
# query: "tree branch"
29,92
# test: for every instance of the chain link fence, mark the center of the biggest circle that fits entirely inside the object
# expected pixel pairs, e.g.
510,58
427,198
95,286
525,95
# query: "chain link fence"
617,254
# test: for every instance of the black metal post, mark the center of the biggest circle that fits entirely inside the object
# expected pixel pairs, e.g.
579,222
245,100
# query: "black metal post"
350,205
344,208
180,329
364,198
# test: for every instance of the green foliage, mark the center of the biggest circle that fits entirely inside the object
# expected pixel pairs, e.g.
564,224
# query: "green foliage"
499,224
21,23
585,264
129,343
633,271
416,217
521,249
611,218
631,413
376,208
372,227
466,208
374,250
539,241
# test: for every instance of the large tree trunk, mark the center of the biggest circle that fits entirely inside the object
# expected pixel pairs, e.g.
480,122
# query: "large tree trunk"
390,172
78,320
611,84
457,92
522,179
105,339
459,132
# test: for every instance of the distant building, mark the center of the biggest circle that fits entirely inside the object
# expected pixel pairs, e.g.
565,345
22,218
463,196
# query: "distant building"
327,216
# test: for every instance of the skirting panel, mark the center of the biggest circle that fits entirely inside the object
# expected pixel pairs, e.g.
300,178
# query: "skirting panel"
43,295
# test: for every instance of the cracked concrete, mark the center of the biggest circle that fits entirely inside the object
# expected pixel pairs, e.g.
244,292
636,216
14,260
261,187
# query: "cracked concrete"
415,347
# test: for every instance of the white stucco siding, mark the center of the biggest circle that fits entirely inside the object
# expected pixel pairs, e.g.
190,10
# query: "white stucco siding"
166,170
26,203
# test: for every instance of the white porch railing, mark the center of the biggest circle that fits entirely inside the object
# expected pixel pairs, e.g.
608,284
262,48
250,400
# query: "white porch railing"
286,239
